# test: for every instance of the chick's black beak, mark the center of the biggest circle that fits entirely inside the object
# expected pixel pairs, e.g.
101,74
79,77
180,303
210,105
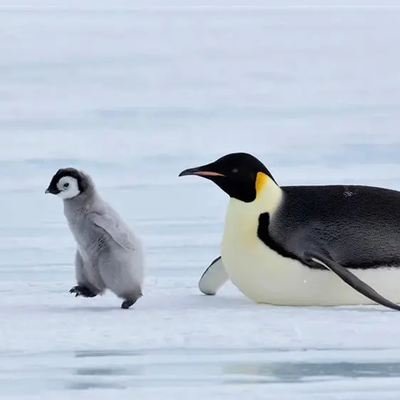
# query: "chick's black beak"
200,171
51,190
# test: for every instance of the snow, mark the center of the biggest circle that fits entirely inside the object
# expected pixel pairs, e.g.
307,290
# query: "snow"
134,96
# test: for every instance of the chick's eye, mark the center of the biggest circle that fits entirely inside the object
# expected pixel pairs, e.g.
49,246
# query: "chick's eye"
235,170
66,185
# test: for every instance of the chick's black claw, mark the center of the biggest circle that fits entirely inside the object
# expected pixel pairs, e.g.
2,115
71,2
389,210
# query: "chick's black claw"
126,304
82,291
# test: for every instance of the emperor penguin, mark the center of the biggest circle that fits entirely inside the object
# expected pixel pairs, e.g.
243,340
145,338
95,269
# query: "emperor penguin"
326,245
108,254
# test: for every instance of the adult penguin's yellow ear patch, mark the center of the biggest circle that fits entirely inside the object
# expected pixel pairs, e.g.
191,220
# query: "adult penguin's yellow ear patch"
261,181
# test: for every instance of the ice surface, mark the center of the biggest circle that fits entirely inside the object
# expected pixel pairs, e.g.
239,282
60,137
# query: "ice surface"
134,96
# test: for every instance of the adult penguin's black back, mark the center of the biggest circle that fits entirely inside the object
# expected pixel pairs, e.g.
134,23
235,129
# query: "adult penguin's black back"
358,226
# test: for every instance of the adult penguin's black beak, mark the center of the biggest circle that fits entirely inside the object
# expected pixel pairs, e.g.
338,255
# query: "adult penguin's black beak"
205,171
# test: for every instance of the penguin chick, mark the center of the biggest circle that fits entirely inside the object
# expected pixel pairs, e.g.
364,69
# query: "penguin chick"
108,255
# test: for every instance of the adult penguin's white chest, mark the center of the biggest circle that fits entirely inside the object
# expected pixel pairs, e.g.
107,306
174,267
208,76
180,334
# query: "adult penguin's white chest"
258,272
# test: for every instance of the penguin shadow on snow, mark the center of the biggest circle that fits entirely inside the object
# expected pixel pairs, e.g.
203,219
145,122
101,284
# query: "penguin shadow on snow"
159,303
74,308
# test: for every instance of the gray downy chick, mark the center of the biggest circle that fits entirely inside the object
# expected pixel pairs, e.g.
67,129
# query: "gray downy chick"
109,255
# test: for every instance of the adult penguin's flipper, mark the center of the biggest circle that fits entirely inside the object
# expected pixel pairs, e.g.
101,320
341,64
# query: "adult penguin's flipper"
352,280
213,278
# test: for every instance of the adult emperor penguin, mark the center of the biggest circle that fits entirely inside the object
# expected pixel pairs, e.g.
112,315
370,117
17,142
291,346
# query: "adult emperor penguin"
108,255
281,244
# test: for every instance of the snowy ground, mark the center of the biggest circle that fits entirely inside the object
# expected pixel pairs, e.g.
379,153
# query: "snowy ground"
134,96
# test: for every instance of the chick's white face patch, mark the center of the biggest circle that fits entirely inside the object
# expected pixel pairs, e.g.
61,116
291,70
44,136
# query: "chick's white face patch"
68,187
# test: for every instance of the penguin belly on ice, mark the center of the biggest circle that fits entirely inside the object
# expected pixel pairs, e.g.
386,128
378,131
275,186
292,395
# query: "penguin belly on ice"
304,245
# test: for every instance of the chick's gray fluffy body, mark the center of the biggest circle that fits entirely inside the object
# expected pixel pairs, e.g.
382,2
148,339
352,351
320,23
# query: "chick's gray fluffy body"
109,255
